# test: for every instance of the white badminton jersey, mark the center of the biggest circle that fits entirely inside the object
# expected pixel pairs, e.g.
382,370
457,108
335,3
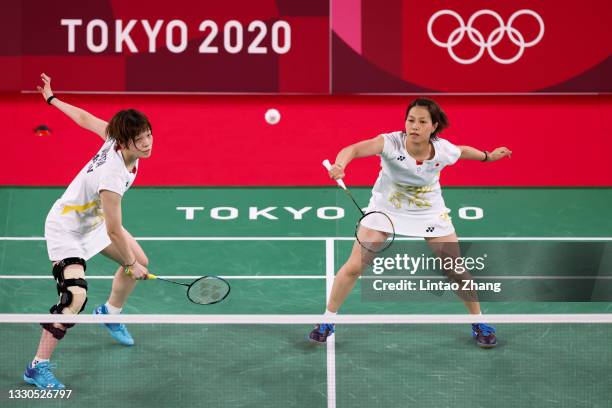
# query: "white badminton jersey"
79,209
406,185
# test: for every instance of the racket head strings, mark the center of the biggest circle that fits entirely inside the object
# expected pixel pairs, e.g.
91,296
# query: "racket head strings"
375,231
208,290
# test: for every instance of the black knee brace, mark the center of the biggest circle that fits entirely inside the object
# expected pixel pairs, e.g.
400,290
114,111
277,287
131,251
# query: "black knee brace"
65,295
55,331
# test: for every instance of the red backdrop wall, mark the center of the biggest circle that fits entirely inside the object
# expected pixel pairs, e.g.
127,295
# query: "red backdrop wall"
224,140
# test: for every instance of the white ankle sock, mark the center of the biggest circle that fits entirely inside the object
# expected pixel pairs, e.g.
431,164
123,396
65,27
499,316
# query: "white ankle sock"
330,313
112,309
38,360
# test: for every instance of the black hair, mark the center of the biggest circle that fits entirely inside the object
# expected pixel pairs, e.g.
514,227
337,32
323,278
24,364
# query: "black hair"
437,114
126,125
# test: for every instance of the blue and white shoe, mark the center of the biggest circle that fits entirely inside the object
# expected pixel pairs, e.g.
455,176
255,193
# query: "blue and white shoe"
321,332
118,331
42,377
484,335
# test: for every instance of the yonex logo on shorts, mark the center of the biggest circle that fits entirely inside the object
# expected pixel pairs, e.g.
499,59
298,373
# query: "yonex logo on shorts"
430,229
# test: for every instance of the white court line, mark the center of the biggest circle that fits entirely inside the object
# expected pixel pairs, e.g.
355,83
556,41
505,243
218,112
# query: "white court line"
330,274
181,277
494,277
351,238
263,277
574,318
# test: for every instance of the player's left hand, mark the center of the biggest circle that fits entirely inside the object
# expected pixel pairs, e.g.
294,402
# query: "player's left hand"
500,153
45,90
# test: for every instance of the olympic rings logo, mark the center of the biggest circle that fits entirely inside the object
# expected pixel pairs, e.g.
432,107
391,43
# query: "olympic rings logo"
494,38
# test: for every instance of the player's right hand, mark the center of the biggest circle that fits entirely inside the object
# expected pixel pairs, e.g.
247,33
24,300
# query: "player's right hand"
336,172
45,90
137,271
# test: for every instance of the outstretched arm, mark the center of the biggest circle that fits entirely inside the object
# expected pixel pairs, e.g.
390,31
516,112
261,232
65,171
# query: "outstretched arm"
111,205
470,153
364,148
82,118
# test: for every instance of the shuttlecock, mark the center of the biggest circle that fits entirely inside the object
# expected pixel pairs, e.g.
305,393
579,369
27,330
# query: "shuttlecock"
272,116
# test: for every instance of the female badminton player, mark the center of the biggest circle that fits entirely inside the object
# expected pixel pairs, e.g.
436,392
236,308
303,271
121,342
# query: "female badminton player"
408,191
86,220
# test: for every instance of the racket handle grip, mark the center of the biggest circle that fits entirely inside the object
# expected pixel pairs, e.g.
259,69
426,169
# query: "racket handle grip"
151,276
328,166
